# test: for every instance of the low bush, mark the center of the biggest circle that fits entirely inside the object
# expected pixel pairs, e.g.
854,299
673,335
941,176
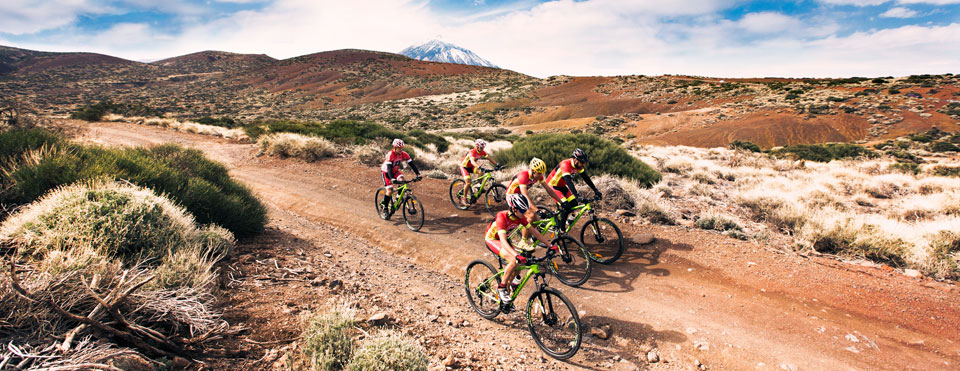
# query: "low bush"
941,146
347,132
201,186
309,149
226,122
905,167
717,222
389,351
16,142
824,152
96,111
944,170
745,145
327,342
605,156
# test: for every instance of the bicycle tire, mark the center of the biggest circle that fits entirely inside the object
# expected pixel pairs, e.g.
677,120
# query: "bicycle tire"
412,213
482,289
496,199
572,265
597,236
377,197
456,193
553,316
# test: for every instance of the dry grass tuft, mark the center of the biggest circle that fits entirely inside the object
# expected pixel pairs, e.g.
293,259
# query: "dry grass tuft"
389,351
307,148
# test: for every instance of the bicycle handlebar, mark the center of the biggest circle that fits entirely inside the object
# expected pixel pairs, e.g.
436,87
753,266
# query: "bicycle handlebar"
407,181
531,260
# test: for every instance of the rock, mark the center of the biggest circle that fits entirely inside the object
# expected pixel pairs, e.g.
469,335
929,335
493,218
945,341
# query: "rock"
328,255
653,356
335,283
624,212
691,331
645,238
789,367
601,332
912,273
180,363
702,346
451,362
379,318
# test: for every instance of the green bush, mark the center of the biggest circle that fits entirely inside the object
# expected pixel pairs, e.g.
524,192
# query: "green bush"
879,80
941,146
904,156
201,186
605,156
326,340
716,222
389,352
17,141
96,111
824,152
226,122
943,170
893,91
906,167
346,132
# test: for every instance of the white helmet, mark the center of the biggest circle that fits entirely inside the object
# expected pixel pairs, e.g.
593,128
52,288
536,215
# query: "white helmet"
519,202
480,143
398,143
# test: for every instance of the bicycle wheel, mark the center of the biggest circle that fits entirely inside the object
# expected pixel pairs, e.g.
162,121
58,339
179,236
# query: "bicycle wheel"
496,198
456,194
481,281
554,323
603,240
571,266
377,198
413,213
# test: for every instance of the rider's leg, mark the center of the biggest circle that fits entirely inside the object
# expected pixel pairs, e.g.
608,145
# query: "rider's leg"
466,184
507,253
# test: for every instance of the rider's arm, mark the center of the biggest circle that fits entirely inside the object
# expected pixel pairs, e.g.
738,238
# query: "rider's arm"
586,179
573,189
413,167
504,244
550,191
523,191
389,172
536,234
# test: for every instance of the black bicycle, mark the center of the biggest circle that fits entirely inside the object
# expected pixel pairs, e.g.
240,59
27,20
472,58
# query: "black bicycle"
402,199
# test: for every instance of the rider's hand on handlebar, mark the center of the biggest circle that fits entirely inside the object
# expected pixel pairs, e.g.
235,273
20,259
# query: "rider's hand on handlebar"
521,259
418,178
498,167
599,196
543,214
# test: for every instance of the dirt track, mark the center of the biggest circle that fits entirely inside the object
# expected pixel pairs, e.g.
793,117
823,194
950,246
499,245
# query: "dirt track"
694,295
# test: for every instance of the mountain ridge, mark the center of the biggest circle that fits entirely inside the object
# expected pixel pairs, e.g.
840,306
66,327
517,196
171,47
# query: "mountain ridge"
439,51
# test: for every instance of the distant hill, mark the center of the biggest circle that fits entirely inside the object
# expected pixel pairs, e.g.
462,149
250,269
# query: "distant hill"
439,51
215,61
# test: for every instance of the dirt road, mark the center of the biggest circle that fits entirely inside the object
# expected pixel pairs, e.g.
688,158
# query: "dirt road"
694,296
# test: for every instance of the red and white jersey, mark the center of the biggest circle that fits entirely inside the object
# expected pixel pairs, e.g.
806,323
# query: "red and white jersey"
523,178
475,154
393,161
505,222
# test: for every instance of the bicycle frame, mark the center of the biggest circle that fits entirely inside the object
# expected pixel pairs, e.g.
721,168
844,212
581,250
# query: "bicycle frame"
401,192
483,184
545,224
531,270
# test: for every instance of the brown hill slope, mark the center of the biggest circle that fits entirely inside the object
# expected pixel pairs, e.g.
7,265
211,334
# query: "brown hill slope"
215,61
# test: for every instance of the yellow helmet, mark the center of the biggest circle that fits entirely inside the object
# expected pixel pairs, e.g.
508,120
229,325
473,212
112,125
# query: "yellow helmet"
538,165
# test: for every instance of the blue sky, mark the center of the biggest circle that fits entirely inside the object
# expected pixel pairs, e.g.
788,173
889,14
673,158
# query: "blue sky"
727,38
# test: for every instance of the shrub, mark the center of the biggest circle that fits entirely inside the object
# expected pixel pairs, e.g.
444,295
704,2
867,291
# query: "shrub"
893,91
717,222
605,156
226,122
878,81
745,145
824,152
614,195
906,167
16,142
201,186
326,340
96,111
941,146
943,170
387,352
346,132
294,145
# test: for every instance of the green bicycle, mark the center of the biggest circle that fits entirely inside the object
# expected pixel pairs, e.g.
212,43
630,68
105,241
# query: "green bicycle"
401,200
600,236
551,317
495,196
572,266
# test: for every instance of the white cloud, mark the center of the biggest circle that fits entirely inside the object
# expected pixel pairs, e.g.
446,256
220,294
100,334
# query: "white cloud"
768,22
855,2
934,2
20,17
899,12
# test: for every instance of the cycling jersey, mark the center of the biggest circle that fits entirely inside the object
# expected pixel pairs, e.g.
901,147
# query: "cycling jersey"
505,222
523,178
475,154
564,168
392,163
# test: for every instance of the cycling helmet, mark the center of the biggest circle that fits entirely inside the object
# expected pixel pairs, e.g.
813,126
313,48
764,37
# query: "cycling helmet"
538,165
519,202
580,155
398,143
480,143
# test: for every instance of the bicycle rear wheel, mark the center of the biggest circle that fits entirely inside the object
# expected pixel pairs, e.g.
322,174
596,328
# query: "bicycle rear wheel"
481,281
571,266
413,213
554,323
456,194
496,198
377,199
603,240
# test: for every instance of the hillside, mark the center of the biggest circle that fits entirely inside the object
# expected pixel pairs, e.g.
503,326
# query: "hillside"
406,93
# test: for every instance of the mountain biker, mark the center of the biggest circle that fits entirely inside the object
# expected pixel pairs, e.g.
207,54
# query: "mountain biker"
561,179
391,168
496,239
469,166
529,177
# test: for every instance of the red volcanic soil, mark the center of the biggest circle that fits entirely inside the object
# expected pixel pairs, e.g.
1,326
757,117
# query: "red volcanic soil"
768,130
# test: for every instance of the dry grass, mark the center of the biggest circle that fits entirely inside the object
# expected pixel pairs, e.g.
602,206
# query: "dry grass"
327,342
183,126
307,148
388,351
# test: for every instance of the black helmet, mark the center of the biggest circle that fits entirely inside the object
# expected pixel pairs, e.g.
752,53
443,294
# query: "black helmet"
580,155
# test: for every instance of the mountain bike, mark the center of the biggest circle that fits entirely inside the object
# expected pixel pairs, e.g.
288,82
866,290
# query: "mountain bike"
402,199
572,266
600,236
495,196
551,317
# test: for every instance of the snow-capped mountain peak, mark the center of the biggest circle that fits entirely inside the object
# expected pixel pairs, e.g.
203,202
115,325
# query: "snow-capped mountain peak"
439,51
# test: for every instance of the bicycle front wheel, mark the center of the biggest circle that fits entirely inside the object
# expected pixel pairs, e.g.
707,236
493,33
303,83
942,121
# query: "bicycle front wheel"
496,199
382,210
554,323
413,213
481,283
572,265
456,194
603,240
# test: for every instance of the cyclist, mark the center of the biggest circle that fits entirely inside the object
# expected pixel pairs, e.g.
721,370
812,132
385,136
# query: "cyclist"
496,239
469,166
391,168
561,179
526,178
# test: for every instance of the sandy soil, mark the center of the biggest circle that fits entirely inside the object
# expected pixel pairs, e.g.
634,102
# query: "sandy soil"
692,296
